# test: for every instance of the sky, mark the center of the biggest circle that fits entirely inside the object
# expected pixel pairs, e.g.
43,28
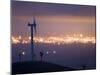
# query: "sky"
51,18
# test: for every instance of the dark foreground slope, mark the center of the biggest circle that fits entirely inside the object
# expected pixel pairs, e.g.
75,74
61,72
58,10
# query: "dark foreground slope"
37,67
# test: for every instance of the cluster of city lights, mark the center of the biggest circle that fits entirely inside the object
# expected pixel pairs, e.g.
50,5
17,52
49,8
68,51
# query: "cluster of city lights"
64,39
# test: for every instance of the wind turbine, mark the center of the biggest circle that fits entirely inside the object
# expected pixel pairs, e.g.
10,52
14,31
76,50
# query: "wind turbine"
32,27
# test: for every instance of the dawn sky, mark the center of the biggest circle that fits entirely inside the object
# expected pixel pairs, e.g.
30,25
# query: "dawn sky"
52,18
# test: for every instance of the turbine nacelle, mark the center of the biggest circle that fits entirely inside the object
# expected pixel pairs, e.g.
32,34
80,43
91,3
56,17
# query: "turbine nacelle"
33,25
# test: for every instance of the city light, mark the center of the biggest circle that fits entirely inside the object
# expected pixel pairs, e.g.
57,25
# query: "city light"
54,52
23,53
64,39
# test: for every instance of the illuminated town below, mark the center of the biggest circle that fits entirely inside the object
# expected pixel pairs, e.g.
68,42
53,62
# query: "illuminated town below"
63,39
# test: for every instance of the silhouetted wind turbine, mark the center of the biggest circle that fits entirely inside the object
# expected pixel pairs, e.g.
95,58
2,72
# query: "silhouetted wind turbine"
32,44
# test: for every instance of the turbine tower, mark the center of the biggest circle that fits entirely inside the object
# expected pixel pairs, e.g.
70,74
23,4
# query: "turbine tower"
32,27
